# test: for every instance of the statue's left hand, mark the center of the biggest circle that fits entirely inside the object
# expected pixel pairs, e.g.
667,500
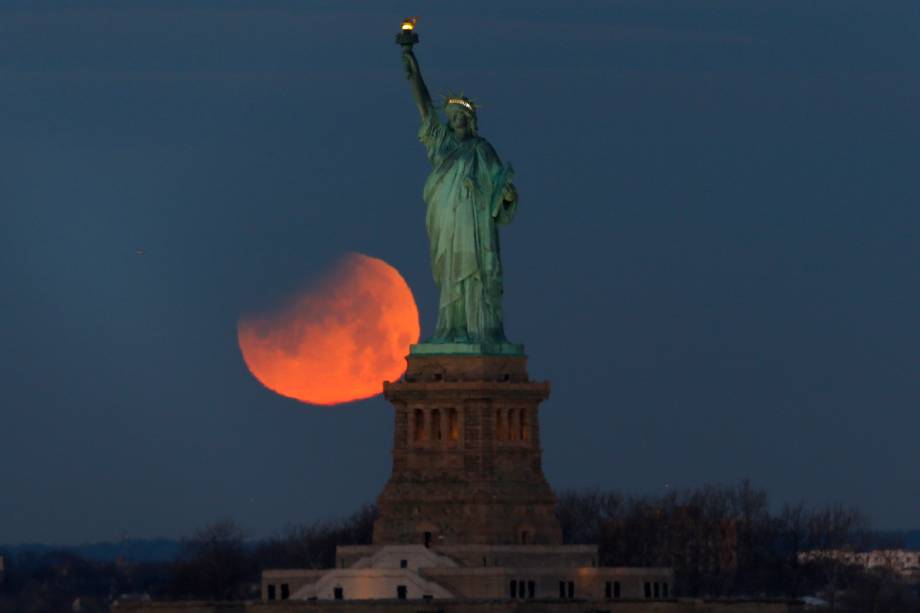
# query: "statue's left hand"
510,193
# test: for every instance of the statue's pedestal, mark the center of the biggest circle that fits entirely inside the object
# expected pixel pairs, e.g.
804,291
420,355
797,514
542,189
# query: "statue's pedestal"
466,455
467,514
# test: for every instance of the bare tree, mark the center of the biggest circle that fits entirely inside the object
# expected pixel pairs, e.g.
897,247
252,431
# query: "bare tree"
313,545
213,564
583,514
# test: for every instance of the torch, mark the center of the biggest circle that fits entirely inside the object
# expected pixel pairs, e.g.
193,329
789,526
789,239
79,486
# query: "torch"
407,35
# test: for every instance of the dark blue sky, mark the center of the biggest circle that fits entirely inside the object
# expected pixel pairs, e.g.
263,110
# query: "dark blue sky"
715,261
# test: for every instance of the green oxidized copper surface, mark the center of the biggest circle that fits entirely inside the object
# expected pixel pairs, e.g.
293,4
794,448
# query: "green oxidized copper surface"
469,193
433,348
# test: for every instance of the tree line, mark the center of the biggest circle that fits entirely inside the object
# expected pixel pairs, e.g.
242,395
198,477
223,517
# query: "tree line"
722,542
729,542
216,562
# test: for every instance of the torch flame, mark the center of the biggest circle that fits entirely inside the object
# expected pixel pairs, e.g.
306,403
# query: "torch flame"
408,23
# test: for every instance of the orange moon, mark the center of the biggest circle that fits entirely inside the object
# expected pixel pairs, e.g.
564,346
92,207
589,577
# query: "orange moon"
337,341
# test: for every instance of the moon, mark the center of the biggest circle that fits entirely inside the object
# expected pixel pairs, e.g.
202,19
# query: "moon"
338,340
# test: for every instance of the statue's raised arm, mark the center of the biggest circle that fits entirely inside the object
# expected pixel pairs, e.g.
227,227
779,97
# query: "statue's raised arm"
419,90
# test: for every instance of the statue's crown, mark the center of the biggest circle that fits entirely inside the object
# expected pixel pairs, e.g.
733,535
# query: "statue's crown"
461,101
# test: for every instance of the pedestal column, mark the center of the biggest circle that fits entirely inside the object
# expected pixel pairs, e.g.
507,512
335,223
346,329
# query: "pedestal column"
466,455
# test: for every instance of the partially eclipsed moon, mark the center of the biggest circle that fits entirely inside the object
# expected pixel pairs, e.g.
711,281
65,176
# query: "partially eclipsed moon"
338,341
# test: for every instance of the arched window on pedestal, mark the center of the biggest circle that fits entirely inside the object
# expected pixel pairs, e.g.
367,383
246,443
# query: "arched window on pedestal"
419,426
453,425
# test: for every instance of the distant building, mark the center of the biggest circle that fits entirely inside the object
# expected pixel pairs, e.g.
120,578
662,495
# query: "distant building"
900,561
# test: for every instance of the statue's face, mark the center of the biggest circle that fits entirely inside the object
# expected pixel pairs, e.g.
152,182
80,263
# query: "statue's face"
461,123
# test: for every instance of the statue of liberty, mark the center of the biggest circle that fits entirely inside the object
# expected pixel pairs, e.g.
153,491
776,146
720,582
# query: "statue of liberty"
469,193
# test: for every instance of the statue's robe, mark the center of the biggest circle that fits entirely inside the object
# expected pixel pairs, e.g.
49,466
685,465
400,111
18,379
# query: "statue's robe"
465,205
